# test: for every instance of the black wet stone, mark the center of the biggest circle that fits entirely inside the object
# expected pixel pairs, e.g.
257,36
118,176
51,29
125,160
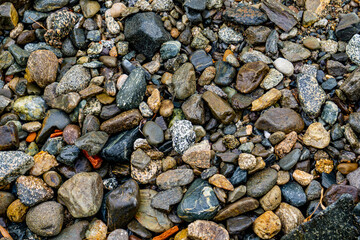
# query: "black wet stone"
133,90
225,73
68,155
239,176
261,182
238,224
122,204
336,222
199,202
328,179
245,15
293,194
348,26
289,161
146,32
119,147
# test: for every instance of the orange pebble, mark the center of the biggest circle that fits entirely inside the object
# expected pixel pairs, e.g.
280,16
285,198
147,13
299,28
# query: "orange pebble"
167,233
227,53
31,137
95,160
56,134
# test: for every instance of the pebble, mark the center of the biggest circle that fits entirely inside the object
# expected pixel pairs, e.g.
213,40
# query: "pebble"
170,49
228,35
272,79
30,108
174,178
290,160
92,142
198,155
183,135
8,15
16,211
334,192
239,207
97,230
13,164
245,15
316,136
293,194
184,81
220,181
75,79
284,66
267,225
124,121
207,230
165,199
117,9
219,107
290,217
49,224
271,200
32,190
247,161
266,100
82,194
250,76
261,182
43,162
75,231
199,202
303,178
353,178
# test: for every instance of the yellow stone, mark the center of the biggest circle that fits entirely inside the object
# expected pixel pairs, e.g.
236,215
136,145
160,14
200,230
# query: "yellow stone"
221,181
266,100
182,235
303,178
43,162
154,101
324,165
16,212
105,99
316,136
267,225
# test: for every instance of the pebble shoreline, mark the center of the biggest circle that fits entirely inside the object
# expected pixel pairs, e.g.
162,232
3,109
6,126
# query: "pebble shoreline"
179,119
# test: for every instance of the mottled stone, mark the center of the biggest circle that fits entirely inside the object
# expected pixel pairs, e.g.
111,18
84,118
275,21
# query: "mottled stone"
82,194
316,136
245,15
267,225
250,76
207,230
294,52
43,162
32,190
198,155
75,79
13,164
183,135
290,217
30,107
184,81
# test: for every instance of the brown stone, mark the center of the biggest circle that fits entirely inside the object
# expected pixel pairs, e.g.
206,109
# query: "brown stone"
346,168
166,108
6,199
271,200
43,162
9,137
267,225
324,165
285,146
124,121
280,119
266,100
244,205
206,230
16,211
290,217
303,178
154,101
198,155
207,76
250,76
90,91
334,192
42,67
221,181
70,133
219,107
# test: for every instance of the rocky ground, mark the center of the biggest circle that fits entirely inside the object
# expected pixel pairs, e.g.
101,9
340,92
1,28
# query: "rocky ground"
179,119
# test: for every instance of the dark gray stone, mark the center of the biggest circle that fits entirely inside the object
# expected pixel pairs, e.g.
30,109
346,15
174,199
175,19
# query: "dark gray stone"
289,161
261,182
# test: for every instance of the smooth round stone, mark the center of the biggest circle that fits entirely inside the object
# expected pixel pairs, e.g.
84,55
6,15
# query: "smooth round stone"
199,202
89,8
239,207
316,136
290,217
225,73
247,161
272,199
75,231
170,49
312,43
108,61
293,194
30,108
48,224
334,192
313,190
42,67
82,194
117,9
118,234
153,133
53,179
303,178
122,204
175,178
284,66
238,224
6,199
261,182
49,5
70,133
290,160
184,81
330,112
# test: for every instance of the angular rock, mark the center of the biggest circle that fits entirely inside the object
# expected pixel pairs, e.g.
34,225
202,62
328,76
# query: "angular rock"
184,81
198,155
174,178
9,137
193,109
32,190
146,33
54,119
82,194
13,164
279,14
245,15
243,205
92,142
163,200
250,76
351,85
207,230
294,52
219,107
30,108
75,79
8,16
122,205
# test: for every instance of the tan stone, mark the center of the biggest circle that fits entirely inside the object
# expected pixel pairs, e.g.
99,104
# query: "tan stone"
346,168
303,178
266,100
267,225
221,181
166,108
260,164
219,107
285,146
97,230
43,162
271,200
207,76
247,161
154,101
16,212
198,155
207,230
290,217
316,136
283,177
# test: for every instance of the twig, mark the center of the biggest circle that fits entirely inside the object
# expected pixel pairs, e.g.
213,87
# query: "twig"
39,24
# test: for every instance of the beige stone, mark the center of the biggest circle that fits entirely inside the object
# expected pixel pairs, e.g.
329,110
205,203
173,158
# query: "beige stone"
267,225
